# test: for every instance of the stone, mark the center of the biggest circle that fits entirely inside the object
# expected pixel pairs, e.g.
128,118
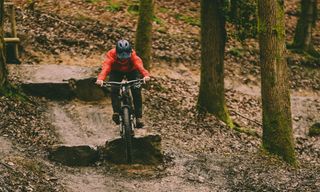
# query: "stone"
82,155
60,82
314,130
146,150
54,91
87,90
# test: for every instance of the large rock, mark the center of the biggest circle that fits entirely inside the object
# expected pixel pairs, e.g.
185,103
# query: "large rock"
54,91
86,89
145,150
60,82
314,130
82,155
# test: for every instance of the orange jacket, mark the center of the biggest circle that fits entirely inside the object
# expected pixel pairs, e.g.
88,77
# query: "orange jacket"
112,63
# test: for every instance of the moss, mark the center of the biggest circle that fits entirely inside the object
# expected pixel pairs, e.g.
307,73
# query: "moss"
133,9
247,131
277,125
163,10
277,136
113,7
11,91
188,19
229,121
237,52
225,117
157,20
92,1
275,159
262,27
314,130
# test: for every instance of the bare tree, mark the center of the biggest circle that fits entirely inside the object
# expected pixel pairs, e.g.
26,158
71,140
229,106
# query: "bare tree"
143,43
3,69
213,38
306,23
277,122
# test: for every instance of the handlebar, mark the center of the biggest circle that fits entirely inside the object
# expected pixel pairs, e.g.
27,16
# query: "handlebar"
114,83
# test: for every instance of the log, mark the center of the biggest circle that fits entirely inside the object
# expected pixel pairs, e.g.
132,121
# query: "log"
11,40
82,155
146,150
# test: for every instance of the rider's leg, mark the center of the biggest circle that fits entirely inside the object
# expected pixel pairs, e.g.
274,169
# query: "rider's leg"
115,76
137,98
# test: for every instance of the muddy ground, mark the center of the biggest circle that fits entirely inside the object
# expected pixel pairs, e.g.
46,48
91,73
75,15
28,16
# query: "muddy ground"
201,153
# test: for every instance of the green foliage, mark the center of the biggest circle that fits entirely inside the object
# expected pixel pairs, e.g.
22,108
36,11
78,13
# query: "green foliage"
245,19
315,130
248,131
237,52
163,10
92,1
113,7
13,92
134,9
188,19
157,20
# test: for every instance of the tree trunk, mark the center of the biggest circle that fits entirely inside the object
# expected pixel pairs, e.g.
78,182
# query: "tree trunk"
3,69
213,37
277,124
143,42
303,33
234,9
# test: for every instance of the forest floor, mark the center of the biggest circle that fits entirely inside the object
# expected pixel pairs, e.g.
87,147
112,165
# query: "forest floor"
201,153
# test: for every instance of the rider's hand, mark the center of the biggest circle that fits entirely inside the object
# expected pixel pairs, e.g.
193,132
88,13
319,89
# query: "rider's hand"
146,78
99,82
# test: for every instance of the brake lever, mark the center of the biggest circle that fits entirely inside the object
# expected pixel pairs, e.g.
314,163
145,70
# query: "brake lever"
137,85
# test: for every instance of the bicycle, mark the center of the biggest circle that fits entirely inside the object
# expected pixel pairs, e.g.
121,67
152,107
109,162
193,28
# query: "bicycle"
126,115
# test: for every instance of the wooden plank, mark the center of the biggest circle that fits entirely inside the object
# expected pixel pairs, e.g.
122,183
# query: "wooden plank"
11,40
14,28
8,3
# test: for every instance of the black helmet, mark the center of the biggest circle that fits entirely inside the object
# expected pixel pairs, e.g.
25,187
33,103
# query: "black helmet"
123,49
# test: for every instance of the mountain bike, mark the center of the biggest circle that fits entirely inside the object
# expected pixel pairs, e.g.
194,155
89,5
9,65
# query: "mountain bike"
126,115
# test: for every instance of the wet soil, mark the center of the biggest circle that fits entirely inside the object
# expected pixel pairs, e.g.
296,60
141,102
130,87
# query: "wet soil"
79,122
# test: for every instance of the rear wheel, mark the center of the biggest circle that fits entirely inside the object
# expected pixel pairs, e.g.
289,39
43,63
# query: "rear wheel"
127,134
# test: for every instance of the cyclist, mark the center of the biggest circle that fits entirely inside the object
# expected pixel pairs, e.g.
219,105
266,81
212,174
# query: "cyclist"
119,63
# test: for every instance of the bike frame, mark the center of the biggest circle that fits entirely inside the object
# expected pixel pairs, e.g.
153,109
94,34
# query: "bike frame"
126,116
125,98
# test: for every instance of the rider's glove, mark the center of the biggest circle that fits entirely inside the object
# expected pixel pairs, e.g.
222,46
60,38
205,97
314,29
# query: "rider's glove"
99,82
146,78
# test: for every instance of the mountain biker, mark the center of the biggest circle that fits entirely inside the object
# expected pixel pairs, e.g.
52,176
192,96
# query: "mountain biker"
121,62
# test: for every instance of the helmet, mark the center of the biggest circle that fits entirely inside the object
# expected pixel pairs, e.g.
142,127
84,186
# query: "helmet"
123,49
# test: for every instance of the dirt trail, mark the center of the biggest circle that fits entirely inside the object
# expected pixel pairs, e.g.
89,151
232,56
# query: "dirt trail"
79,122
83,123
85,179
89,123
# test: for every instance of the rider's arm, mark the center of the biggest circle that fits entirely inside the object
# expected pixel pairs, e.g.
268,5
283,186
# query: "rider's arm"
137,62
106,65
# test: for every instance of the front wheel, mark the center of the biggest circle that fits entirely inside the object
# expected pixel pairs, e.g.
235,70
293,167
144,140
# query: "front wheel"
127,134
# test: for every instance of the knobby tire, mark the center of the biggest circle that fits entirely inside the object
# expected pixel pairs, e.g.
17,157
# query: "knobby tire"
127,134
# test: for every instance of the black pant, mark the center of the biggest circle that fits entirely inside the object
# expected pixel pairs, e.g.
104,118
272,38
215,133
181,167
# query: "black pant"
136,92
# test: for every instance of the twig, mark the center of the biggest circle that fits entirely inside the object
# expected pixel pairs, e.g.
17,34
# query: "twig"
61,21
7,166
248,119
